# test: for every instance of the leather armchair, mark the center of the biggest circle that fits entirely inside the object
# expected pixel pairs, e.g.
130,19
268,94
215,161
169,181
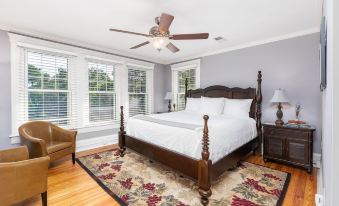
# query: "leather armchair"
20,177
44,138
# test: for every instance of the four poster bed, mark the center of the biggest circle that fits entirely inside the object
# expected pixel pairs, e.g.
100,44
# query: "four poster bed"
203,169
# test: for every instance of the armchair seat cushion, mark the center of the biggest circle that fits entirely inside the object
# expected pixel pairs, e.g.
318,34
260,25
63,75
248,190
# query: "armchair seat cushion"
55,146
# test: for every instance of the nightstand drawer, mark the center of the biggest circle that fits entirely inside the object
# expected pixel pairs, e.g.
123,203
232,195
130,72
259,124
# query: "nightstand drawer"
288,133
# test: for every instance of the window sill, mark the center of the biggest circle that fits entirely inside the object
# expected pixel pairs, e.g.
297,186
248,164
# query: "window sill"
15,139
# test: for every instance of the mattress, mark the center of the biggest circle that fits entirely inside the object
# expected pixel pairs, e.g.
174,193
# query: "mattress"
226,133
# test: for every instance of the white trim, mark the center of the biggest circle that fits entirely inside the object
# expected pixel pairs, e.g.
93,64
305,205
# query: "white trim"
98,128
46,49
317,160
186,65
249,44
91,143
90,57
141,66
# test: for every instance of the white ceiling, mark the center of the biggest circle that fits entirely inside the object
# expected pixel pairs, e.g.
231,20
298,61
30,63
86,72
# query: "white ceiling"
241,22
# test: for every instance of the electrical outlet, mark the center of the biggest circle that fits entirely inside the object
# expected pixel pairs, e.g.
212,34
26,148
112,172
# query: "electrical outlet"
319,200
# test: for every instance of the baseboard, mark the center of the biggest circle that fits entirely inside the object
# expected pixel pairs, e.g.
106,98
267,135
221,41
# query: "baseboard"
319,196
91,143
316,160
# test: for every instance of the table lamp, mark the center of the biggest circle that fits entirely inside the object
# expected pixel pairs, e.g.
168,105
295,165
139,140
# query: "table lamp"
169,97
279,97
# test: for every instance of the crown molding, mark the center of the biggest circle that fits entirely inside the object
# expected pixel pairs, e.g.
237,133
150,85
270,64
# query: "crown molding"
81,45
173,61
247,45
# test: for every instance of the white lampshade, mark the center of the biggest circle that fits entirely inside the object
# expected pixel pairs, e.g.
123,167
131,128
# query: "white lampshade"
279,97
168,96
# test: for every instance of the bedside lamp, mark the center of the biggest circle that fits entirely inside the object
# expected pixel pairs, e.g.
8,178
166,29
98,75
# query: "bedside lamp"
169,97
279,97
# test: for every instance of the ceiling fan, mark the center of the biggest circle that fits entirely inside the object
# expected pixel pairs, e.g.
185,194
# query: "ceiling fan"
160,36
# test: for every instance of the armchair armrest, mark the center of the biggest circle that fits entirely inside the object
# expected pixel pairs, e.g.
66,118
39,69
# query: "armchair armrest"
64,135
37,147
14,154
23,179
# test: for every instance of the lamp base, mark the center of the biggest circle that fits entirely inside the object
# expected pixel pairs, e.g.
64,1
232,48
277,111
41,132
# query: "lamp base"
279,122
169,106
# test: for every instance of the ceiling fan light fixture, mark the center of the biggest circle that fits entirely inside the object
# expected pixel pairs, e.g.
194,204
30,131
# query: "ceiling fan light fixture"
159,42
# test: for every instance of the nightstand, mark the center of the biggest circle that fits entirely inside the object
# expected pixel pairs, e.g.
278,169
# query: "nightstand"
293,146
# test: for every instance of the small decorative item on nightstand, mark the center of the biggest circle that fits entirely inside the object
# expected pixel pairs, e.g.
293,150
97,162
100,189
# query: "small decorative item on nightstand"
291,145
169,97
279,97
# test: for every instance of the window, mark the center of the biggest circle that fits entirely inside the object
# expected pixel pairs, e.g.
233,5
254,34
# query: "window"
181,72
182,75
139,94
47,88
102,96
75,88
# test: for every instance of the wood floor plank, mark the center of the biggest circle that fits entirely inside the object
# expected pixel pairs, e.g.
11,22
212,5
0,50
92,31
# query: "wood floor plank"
69,184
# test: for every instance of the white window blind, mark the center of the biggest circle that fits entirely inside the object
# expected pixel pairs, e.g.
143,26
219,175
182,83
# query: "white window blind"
190,74
102,98
46,94
139,91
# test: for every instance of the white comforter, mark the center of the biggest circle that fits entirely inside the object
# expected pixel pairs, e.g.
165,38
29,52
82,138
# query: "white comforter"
226,133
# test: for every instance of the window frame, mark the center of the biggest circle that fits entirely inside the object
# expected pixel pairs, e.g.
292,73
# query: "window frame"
113,92
27,90
149,87
185,66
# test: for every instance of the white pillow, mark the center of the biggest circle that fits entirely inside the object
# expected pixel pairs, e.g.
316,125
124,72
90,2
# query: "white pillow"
212,106
237,107
193,104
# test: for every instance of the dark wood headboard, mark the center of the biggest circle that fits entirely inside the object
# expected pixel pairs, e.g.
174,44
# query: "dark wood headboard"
233,93
222,91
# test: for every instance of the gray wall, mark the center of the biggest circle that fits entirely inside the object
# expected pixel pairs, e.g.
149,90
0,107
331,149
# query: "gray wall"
291,64
162,84
5,91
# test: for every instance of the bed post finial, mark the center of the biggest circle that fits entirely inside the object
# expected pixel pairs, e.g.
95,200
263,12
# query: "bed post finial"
122,132
204,167
186,90
258,99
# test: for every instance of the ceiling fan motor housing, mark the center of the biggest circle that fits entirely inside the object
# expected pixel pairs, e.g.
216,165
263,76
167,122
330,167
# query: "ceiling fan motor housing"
155,32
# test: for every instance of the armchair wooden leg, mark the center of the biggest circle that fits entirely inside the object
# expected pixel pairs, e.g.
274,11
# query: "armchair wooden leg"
73,158
44,198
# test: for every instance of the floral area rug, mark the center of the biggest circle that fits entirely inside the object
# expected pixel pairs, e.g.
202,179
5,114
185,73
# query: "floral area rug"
134,180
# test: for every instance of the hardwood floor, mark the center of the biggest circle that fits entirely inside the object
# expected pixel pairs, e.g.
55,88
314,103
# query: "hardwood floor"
71,185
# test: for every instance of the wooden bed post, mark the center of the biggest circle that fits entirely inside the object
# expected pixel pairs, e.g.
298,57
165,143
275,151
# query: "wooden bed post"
186,90
122,133
204,167
258,99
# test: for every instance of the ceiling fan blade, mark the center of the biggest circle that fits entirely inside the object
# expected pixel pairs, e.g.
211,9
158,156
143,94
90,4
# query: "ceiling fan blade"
172,48
130,32
165,22
140,45
189,36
